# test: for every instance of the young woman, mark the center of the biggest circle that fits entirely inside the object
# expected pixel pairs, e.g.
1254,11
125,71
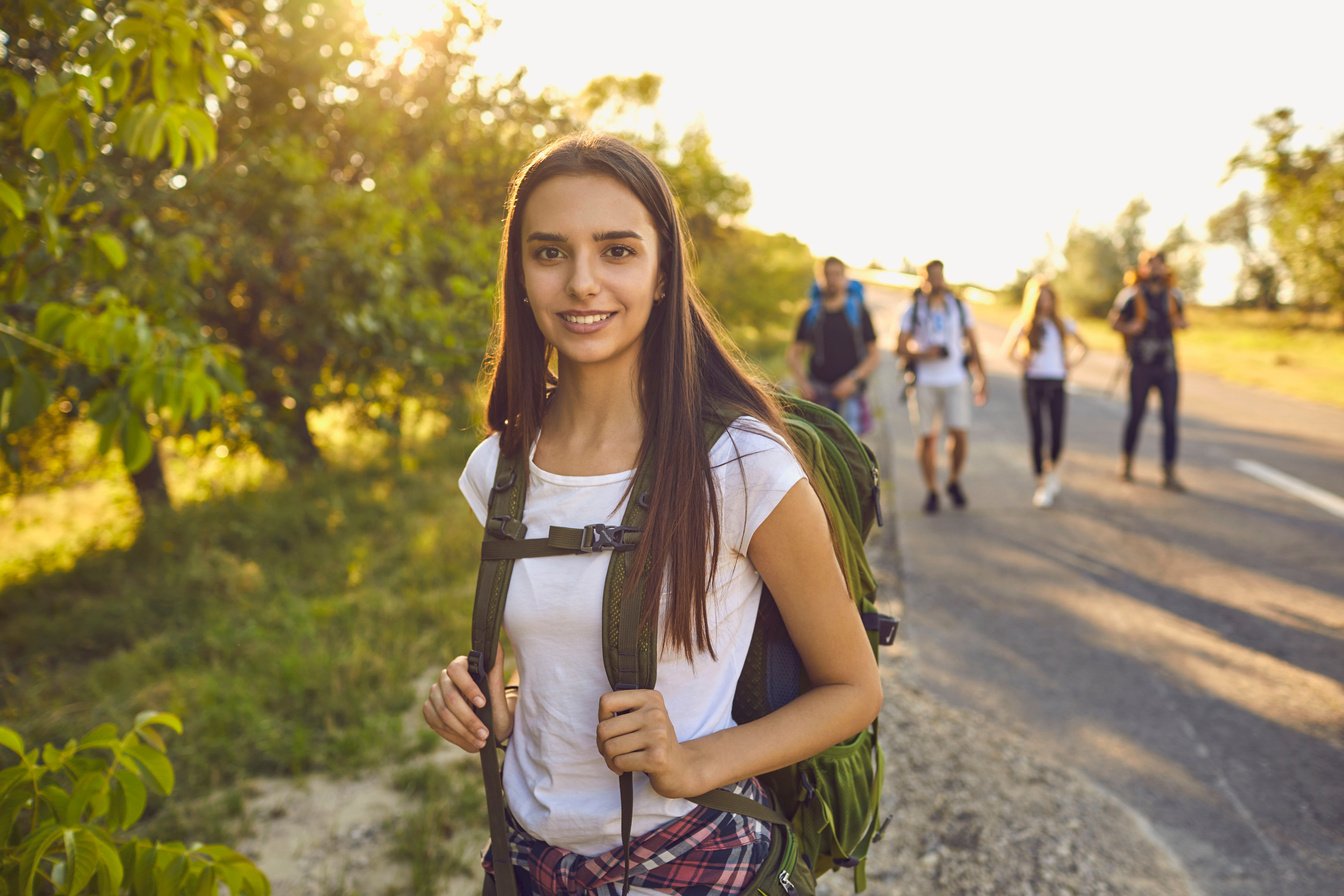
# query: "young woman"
606,357
1038,342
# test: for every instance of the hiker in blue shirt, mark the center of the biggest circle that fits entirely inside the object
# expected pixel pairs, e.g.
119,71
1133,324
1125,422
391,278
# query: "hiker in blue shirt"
836,334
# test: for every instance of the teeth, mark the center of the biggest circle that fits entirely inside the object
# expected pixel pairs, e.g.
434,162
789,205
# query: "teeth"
586,318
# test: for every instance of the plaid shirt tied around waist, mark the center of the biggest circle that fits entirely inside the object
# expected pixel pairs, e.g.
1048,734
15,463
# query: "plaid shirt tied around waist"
704,853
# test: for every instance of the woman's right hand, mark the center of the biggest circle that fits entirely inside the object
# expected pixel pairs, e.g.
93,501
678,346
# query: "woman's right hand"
450,709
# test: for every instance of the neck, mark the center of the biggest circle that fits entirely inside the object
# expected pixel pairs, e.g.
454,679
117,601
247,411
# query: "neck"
833,300
598,406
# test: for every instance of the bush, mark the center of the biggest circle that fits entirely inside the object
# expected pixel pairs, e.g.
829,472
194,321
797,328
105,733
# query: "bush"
65,815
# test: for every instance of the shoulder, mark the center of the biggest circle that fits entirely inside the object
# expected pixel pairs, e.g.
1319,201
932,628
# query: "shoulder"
1178,295
747,438
1126,296
478,475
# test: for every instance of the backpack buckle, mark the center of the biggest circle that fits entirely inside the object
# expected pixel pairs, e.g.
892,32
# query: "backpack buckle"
601,537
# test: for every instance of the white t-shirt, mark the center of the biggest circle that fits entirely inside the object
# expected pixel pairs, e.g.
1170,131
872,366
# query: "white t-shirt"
939,326
557,785
1047,363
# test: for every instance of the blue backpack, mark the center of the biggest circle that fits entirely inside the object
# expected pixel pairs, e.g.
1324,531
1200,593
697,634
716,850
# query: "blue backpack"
853,314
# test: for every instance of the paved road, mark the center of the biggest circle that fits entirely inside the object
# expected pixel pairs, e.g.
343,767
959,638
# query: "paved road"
1186,652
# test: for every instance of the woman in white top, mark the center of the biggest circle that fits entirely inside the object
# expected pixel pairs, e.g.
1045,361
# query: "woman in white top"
1038,342
604,357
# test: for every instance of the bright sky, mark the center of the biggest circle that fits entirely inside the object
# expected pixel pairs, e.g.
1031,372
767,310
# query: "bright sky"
971,131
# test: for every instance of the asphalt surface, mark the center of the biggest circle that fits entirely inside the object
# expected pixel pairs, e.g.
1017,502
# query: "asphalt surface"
1186,652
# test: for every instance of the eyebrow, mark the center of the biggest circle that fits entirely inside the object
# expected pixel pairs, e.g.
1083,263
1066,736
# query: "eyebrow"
601,237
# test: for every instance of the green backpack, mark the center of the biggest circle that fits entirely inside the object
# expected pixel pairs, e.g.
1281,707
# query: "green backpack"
825,811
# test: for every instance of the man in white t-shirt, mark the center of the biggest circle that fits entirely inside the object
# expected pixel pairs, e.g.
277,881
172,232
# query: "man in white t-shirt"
937,343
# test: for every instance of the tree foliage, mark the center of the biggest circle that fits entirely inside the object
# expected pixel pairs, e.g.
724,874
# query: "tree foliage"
1258,281
97,100
1094,262
335,243
1301,205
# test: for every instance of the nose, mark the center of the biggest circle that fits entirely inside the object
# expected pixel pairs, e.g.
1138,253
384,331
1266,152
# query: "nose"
583,278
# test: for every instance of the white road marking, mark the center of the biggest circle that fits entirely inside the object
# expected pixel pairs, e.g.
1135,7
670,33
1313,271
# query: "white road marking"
1327,501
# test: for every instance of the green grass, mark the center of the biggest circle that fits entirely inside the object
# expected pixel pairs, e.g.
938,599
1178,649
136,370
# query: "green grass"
286,623
441,833
1283,352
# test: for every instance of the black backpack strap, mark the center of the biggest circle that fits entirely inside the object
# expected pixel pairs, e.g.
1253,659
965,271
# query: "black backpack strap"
628,648
504,524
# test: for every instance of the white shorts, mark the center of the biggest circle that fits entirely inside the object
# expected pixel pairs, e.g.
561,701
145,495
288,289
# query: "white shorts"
951,404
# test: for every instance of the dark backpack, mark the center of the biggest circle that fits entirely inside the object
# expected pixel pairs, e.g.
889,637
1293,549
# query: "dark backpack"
909,371
825,811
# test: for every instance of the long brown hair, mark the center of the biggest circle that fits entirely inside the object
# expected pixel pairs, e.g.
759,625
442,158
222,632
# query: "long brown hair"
689,372
1031,310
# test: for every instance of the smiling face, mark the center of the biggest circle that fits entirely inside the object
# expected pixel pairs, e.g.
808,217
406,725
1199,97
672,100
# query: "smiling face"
590,268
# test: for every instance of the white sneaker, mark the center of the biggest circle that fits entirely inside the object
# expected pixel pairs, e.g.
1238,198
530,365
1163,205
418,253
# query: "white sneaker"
1043,498
1052,484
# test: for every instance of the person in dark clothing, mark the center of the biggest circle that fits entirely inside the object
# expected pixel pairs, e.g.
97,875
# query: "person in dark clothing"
836,335
1147,313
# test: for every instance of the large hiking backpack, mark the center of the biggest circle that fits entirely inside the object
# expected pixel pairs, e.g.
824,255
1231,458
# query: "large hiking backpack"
812,318
825,809
909,367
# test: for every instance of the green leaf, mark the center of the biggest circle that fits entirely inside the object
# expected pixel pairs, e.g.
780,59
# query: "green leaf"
157,717
87,786
83,855
104,735
52,319
104,409
146,859
129,798
37,845
10,739
111,247
177,142
10,199
110,870
136,448
107,436
26,399
155,763
169,871
158,67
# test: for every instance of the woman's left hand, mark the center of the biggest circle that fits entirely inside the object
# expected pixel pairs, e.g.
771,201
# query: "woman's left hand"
635,734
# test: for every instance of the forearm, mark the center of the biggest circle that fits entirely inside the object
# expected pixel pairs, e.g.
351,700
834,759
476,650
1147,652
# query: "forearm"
820,718
868,366
795,362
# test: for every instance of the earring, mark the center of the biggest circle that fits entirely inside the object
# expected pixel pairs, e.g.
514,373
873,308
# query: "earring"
525,300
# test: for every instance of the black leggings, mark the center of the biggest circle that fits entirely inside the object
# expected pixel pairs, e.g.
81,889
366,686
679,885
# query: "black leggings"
1042,397
1143,378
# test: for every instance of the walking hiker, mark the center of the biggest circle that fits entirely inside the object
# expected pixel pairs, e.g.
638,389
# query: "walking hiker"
1038,341
604,367
1147,312
836,335
937,343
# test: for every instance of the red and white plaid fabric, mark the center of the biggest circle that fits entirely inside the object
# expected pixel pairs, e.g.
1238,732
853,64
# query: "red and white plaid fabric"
704,853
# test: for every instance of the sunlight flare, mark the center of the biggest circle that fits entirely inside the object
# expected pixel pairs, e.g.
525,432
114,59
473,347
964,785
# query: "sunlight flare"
387,18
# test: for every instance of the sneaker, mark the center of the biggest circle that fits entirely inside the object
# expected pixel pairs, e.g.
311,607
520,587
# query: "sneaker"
956,494
1127,470
1052,485
1171,483
1043,497
931,503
